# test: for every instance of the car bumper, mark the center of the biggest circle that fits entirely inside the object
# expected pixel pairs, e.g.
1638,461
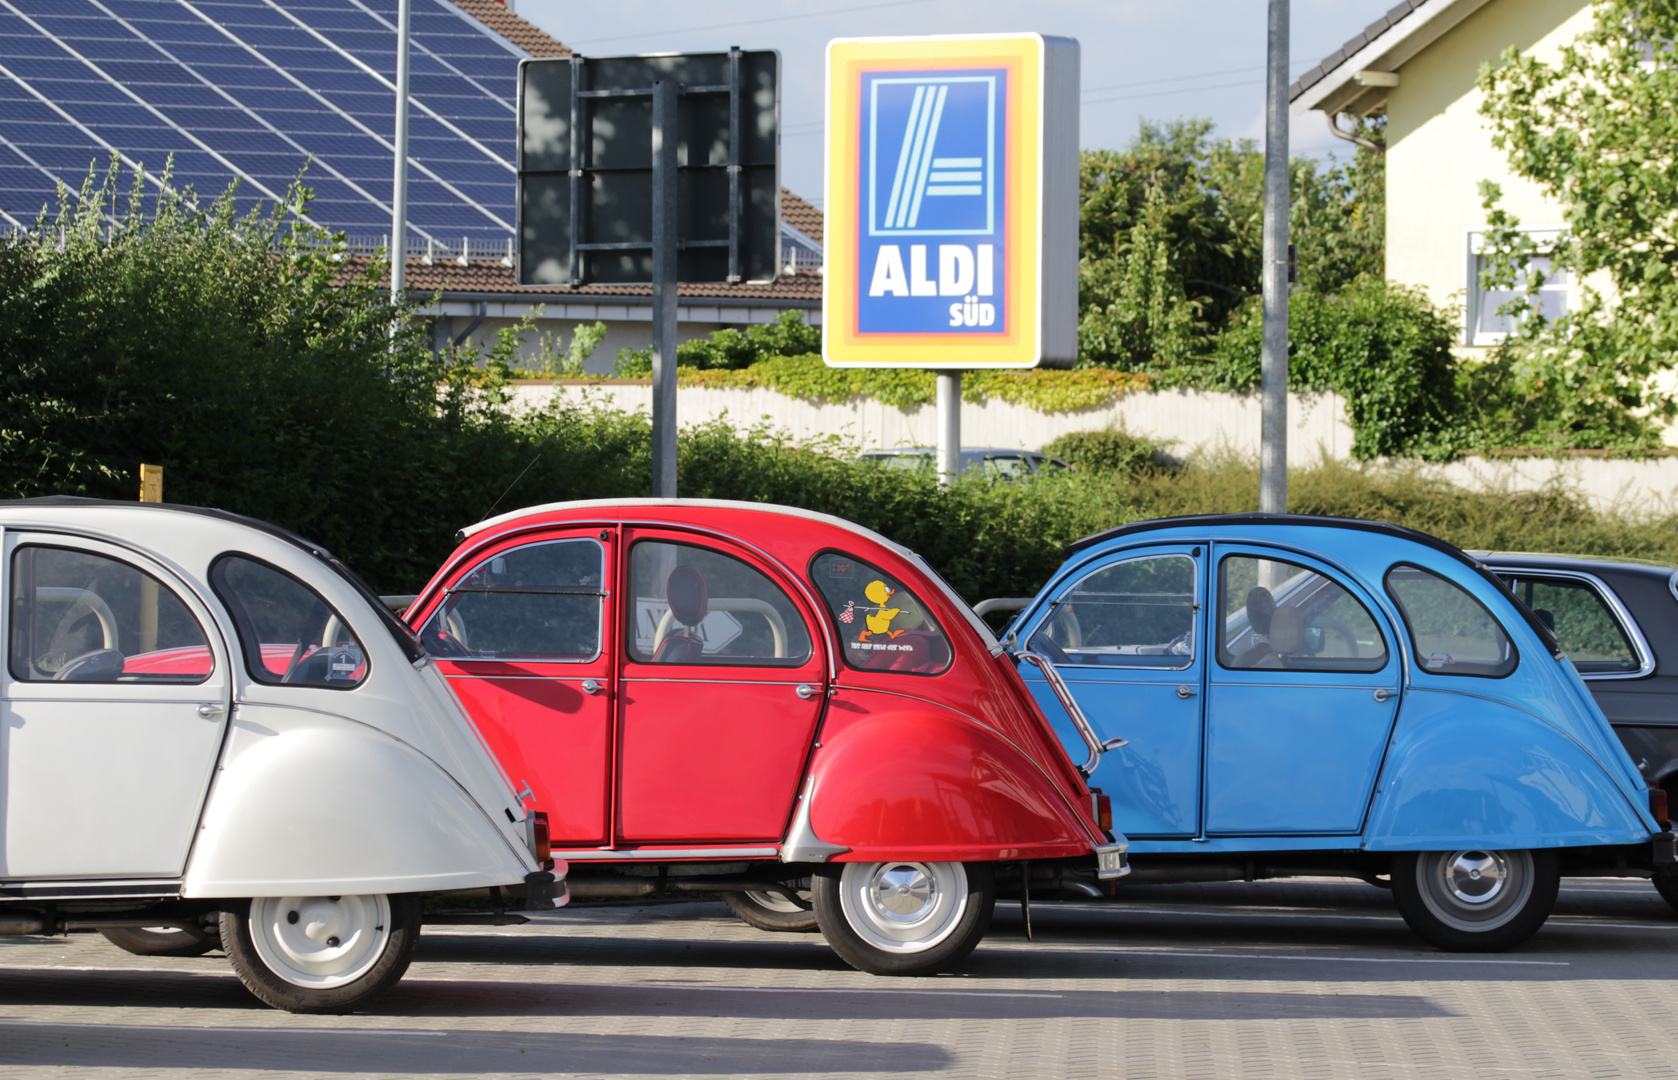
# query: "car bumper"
1665,846
544,891
1112,860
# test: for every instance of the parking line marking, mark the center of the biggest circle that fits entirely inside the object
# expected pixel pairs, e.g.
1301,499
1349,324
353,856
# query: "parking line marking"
765,989
102,1026
1286,956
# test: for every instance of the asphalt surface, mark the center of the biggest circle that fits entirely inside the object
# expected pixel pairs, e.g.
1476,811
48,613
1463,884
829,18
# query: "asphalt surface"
1276,979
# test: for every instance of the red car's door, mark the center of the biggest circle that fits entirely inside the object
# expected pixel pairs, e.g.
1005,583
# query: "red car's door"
521,634
723,684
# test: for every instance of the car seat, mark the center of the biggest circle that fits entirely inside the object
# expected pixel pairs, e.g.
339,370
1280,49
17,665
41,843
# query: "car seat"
1261,609
689,600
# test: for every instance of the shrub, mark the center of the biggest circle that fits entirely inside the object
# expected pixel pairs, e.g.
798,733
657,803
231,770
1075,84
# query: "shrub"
1112,450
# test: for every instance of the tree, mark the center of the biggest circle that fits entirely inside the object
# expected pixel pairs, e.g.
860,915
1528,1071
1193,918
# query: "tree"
1596,131
1171,238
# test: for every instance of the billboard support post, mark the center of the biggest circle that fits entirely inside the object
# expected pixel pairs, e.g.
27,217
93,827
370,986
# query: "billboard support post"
949,426
399,181
664,245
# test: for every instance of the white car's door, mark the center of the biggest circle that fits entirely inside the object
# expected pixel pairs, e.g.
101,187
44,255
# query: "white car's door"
113,705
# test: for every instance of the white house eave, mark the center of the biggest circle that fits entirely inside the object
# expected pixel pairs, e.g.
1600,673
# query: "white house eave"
1339,90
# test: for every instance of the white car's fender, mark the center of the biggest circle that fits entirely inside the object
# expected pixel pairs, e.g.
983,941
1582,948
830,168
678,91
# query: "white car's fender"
310,804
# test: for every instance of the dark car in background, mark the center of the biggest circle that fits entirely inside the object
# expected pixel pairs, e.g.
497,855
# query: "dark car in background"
1618,622
992,462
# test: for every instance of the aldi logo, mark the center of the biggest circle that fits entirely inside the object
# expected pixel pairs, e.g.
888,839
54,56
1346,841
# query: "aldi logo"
935,209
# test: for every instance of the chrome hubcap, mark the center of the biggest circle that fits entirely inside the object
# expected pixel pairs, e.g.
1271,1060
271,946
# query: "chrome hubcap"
903,907
1475,891
903,891
1477,877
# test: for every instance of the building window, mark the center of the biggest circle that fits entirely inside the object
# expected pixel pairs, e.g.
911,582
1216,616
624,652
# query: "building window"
1484,325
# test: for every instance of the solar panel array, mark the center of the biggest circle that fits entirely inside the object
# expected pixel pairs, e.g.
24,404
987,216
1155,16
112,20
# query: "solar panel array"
251,90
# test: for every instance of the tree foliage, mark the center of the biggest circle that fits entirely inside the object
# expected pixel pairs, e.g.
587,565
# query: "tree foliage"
1595,129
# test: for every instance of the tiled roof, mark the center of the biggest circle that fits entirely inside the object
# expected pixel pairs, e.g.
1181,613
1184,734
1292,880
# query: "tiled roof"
801,216
494,277
494,14
1346,51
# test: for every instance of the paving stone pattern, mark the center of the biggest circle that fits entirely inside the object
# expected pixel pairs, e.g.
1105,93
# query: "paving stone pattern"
1277,979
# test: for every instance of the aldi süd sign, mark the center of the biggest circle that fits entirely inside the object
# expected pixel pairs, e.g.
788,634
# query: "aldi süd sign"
952,202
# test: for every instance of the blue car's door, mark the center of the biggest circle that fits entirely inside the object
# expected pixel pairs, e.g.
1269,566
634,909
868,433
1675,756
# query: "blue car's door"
1301,694
1127,635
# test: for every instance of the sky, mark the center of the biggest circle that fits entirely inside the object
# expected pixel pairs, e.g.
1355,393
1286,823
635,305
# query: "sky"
1142,60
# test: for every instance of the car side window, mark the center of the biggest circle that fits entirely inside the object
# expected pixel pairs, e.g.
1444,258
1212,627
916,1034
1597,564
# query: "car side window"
1452,632
539,602
693,605
81,617
1585,626
1279,615
882,625
1135,613
290,636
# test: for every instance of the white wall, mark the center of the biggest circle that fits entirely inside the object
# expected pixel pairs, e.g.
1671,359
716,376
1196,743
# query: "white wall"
1192,422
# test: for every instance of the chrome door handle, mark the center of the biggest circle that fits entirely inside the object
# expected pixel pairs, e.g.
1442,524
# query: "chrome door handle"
592,686
806,691
1382,694
1186,691
210,710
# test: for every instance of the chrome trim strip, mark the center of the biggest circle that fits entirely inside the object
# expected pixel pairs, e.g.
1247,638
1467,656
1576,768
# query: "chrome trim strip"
1645,656
803,845
615,854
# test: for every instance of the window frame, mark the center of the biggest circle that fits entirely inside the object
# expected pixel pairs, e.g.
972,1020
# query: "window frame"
828,614
627,611
1617,608
1416,650
236,611
11,627
1547,237
1194,617
603,593
1216,617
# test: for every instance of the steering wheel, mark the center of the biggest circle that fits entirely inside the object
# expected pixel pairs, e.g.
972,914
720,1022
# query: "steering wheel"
100,665
1329,623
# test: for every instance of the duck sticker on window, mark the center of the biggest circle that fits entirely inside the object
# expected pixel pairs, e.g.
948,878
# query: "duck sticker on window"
883,626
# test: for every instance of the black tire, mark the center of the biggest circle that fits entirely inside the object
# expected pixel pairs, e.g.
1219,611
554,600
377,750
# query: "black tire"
783,917
170,941
1475,900
380,961
951,910
1666,883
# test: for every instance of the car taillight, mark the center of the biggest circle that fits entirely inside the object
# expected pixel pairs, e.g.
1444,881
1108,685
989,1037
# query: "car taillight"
1657,805
539,827
1101,808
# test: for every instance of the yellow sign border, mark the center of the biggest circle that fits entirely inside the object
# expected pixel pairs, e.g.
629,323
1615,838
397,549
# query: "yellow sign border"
1021,347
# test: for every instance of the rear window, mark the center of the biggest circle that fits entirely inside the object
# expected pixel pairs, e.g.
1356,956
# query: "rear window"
882,625
1452,632
289,634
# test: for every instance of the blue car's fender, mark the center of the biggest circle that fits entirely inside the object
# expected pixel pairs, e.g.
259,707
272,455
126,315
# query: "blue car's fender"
1466,770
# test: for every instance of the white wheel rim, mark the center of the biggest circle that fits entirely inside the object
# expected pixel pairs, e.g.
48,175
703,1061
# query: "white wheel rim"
776,902
903,907
320,942
1475,891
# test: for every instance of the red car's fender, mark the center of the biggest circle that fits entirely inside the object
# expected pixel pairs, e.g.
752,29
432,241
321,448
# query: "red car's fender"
899,778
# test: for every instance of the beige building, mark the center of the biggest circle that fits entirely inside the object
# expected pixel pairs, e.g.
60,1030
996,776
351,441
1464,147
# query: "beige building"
1418,66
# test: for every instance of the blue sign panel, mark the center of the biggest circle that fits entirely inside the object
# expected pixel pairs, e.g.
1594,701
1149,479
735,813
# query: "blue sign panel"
932,173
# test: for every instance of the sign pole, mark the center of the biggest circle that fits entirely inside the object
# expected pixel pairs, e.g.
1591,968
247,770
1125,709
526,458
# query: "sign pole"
949,426
664,288
1273,355
399,180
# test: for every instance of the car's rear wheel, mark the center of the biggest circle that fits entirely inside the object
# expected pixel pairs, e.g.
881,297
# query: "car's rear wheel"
1475,900
321,953
162,940
1666,883
772,911
904,918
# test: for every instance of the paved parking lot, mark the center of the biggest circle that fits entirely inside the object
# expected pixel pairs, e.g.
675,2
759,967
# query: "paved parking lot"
1279,979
